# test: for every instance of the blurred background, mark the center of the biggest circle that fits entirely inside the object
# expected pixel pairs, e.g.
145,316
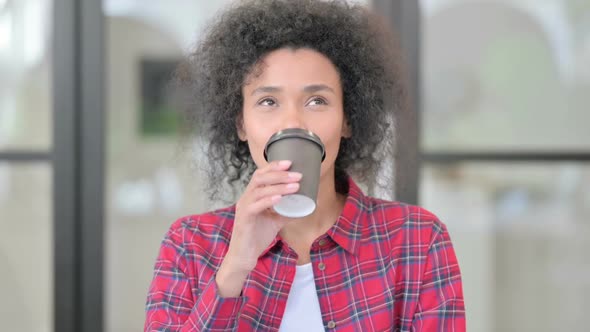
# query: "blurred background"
91,174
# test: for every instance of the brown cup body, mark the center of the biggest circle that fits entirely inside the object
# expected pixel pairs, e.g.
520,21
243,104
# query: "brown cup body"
305,151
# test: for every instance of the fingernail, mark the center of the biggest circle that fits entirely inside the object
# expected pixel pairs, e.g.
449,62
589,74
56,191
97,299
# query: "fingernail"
284,163
295,175
292,185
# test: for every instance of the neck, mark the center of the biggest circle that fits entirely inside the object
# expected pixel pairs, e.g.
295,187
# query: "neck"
302,232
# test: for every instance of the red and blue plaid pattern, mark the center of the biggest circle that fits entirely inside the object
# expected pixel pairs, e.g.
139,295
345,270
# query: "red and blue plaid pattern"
383,266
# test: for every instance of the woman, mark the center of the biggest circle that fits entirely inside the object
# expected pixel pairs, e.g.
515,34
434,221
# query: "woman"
357,263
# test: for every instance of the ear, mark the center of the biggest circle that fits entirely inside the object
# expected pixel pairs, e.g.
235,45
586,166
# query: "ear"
240,129
346,131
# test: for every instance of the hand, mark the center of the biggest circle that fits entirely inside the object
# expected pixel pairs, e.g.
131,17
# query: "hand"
256,225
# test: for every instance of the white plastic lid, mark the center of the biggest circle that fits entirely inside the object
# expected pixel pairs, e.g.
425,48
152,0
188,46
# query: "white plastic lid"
295,206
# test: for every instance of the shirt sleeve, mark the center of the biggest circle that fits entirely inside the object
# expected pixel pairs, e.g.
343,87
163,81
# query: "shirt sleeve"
174,304
440,305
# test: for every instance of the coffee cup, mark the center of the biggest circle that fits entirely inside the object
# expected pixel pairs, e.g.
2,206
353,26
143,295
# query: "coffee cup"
306,152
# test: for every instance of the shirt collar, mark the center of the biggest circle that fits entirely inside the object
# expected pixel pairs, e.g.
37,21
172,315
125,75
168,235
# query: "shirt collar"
348,228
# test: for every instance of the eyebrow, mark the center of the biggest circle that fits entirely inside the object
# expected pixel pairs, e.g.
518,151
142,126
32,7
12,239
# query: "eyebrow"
317,87
266,89
308,89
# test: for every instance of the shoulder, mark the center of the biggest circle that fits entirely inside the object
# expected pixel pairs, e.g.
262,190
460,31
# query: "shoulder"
203,229
397,218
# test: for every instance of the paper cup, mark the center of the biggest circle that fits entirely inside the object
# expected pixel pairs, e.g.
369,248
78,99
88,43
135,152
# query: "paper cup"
306,152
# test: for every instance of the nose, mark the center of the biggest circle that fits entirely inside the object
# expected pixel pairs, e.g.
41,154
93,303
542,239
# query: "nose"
293,117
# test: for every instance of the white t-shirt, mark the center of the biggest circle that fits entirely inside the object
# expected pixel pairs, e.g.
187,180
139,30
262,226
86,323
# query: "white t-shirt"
303,307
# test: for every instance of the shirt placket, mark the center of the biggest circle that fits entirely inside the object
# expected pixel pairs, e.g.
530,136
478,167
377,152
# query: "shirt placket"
320,262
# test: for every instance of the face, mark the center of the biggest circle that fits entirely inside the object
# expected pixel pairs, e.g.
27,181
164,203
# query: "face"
294,89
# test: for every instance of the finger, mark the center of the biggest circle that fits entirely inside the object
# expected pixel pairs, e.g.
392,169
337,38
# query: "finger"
276,165
273,173
272,190
263,204
274,177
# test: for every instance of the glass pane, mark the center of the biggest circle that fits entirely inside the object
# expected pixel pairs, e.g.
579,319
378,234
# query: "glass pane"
521,234
148,185
25,74
26,247
505,75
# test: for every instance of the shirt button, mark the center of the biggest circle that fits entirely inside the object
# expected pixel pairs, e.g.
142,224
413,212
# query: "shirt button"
331,324
321,266
322,242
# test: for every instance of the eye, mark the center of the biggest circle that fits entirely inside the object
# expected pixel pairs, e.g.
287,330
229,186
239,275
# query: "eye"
317,101
267,102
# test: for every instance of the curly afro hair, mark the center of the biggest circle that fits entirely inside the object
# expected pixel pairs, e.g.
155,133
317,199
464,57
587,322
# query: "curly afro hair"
355,40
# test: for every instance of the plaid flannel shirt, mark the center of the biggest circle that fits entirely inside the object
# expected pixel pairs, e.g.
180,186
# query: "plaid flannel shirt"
383,266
